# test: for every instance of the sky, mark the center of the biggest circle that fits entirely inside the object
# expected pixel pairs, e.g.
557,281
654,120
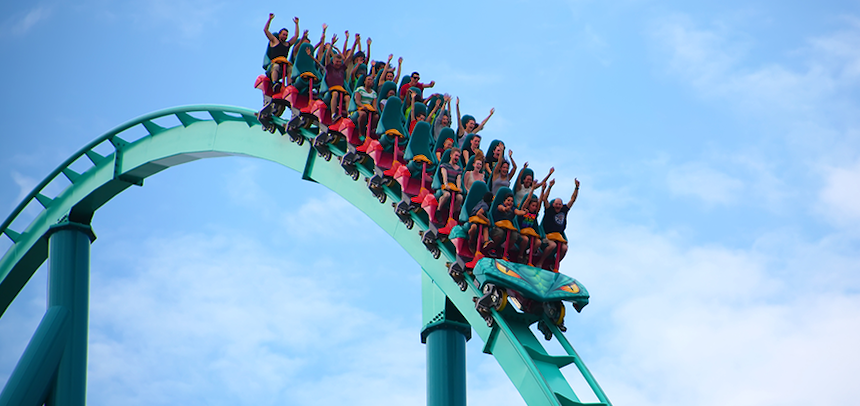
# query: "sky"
718,146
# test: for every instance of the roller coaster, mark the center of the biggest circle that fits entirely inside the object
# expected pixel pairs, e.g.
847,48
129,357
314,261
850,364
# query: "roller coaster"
52,368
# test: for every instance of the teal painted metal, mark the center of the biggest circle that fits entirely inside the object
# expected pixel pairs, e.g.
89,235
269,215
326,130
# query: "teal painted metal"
445,332
235,131
446,366
69,286
33,376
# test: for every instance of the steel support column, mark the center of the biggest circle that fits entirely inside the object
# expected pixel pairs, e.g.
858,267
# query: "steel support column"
69,286
445,333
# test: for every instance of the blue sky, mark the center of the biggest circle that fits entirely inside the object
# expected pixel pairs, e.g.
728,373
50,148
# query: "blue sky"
718,147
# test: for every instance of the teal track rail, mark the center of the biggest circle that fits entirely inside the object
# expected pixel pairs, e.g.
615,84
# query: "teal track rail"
235,131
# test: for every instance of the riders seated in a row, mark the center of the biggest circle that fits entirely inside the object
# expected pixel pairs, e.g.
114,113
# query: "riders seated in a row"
453,160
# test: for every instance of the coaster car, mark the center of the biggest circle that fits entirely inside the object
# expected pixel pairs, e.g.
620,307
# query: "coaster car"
306,77
415,176
386,151
468,252
535,291
502,226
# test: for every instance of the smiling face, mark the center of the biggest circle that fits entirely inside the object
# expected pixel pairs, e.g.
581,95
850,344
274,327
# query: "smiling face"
337,60
503,169
479,164
283,35
455,157
475,144
509,202
389,75
533,206
499,150
470,125
448,143
557,204
527,181
445,120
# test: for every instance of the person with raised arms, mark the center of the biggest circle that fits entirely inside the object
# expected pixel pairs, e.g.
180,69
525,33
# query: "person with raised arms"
278,52
554,223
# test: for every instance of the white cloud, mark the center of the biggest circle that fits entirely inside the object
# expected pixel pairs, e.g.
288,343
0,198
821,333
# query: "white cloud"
21,23
708,325
703,182
217,319
325,217
840,196
25,185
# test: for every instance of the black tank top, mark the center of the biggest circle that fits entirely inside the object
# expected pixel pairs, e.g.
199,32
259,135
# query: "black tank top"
278,50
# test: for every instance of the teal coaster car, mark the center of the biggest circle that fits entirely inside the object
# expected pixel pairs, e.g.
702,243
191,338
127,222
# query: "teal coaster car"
534,290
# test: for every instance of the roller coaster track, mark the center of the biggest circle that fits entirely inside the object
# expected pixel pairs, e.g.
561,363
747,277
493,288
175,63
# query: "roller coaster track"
206,131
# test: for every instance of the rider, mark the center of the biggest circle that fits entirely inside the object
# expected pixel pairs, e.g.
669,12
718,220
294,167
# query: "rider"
413,82
365,95
525,180
467,123
555,221
502,175
452,180
476,173
279,47
335,76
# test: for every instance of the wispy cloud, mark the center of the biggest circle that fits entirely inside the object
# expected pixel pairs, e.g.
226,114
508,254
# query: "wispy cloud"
219,319
840,196
703,182
805,100
21,23
717,325
25,185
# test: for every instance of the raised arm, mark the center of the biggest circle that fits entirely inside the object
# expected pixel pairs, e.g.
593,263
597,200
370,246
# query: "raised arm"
545,195
513,163
368,49
355,44
575,193
273,40
399,65
525,203
483,123
296,49
319,46
543,182
496,169
460,130
328,54
382,75
429,117
295,37
411,95
345,44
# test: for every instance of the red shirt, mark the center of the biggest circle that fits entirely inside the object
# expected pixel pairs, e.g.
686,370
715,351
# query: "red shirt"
407,85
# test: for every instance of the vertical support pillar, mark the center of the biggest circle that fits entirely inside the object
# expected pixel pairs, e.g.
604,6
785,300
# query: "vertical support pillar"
69,286
445,333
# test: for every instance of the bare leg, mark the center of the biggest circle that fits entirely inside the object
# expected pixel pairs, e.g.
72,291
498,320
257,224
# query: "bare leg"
550,249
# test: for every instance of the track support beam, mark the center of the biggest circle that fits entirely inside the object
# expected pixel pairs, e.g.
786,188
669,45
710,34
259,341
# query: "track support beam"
445,333
68,286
